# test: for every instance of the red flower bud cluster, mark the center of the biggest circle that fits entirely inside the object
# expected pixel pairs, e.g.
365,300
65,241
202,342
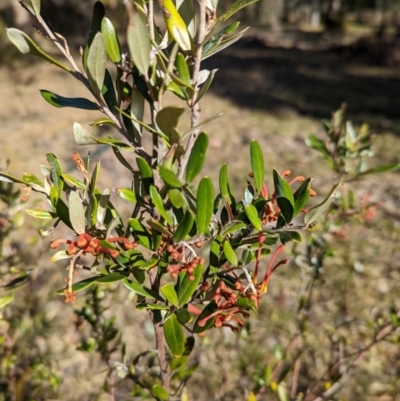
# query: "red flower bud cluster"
88,244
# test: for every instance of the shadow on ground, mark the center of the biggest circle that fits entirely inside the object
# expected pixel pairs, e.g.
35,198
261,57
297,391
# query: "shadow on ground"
312,82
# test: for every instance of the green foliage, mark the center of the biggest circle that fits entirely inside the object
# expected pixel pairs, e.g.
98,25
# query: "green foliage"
154,252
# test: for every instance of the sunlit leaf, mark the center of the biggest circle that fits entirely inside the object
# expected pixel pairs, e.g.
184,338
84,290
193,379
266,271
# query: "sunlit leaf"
139,42
26,45
96,63
160,392
76,212
168,291
41,214
32,5
184,227
257,164
185,287
127,194
169,177
4,301
252,214
197,157
176,198
141,290
159,204
230,254
205,205
301,196
174,336
204,88
111,40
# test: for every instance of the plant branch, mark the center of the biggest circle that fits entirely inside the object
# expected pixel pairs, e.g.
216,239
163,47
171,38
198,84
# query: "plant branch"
195,107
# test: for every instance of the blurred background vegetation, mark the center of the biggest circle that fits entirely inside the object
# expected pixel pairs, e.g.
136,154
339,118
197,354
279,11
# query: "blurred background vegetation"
300,60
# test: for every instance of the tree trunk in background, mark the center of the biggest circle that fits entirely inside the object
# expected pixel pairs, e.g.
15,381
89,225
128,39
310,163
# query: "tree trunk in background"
269,13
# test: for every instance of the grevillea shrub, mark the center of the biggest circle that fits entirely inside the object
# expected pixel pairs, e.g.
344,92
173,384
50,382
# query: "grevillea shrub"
196,258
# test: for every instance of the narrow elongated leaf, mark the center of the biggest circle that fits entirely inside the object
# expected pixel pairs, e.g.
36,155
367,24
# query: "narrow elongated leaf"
80,285
18,282
141,290
169,293
61,101
176,25
111,278
184,227
257,164
159,204
204,88
200,326
286,236
316,212
230,254
4,301
197,157
9,178
183,69
56,172
60,255
185,288
224,186
111,40
26,45
176,198
137,110
32,5
139,42
144,168
174,336
76,212
233,9
96,63
301,196
73,181
140,231
201,124
205,205
187,11
169,177
381,169
109,93
127,194
183,316
159,392
284,197
252,214
232,227
41,214
213,40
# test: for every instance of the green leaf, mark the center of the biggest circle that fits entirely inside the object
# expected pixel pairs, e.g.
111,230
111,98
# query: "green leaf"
183,69
176,363
159,204
26,45
80,285
184,227
169,177
185,288
60,255
183,316
109,93
149,264
96,63
233,9
18,282
317,211
284,196
208,310
230,254
137,110
32,5
76,212
252,214
197,157
73,181
61,101
41,214
111,278
224,186
141,290
81,136
127,194
169,293
144,168
111,40
380,169
186,9
9,178
160,392
176,25
139,42
158,227
56,172
257,164
287,236
33,181
140,232
205,205
200,125
176,198
301,196
215,39
168,118
174,336
204,88
4,301
232,227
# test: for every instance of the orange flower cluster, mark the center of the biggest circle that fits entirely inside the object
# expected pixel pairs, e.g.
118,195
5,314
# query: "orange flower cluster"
88,244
